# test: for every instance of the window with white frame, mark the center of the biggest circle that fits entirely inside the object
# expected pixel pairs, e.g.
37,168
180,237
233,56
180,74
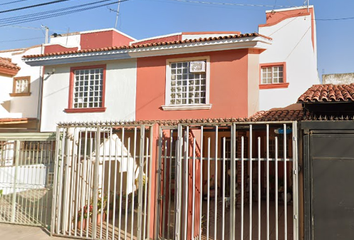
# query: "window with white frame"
21,86
88,88
187,82
272,74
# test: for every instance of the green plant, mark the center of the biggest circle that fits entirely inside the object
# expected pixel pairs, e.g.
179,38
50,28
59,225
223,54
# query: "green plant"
85,212
102,203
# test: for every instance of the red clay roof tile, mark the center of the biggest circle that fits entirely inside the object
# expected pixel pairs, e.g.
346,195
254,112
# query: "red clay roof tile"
149,45
6,63
328,93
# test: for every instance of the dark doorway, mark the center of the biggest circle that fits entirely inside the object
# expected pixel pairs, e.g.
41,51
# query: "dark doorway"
329,177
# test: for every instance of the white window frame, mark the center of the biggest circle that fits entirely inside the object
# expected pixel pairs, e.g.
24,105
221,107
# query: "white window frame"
200,106
86,101
272,73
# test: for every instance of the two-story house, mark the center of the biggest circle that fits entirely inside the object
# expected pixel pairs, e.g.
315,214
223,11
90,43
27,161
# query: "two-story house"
106,76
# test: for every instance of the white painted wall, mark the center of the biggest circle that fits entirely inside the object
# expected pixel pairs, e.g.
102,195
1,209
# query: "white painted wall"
68,40
24,106
292,43
119,100
28,177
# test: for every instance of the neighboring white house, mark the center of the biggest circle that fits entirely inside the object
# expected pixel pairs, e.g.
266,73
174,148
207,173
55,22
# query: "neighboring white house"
65,94
20,90
289,65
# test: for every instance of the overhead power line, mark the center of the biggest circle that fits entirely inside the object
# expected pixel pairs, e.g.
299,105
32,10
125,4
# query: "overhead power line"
8,3
229,4
33,6
55,13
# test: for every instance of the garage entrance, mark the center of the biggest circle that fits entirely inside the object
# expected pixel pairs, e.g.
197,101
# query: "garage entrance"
329,165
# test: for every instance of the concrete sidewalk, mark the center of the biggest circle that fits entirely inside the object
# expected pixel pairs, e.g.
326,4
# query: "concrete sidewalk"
18,232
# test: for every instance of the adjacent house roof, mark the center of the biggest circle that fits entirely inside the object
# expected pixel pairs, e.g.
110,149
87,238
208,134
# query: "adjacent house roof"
328,93
145,45
7,67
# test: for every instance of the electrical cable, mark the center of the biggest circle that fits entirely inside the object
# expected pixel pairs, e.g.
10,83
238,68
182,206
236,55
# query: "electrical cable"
7,3
228,4
55,13
33,6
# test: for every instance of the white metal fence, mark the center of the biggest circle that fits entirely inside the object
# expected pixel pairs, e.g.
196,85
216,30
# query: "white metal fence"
185,181
102,183
26,171
228,181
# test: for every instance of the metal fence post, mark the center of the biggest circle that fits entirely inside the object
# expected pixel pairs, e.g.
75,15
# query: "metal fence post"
17,158
96,184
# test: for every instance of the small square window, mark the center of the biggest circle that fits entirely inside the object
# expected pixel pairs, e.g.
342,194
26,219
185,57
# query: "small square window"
87,86
187,84
21,86
273,75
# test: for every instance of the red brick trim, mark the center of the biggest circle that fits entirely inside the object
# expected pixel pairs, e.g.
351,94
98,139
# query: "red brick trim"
274,85
84,110
70,108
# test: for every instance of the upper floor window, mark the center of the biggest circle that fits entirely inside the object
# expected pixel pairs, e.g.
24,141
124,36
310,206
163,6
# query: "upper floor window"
21,86
273,76
87,89
187,84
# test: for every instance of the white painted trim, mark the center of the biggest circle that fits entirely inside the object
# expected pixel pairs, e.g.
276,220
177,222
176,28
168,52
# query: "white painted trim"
288,9
167,105
217,45
156,37
187,107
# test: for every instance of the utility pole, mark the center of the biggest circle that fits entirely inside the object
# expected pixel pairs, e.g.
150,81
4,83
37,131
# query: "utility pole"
46,34
115,25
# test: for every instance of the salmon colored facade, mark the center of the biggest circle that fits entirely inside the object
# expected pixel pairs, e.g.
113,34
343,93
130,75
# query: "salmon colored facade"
233,86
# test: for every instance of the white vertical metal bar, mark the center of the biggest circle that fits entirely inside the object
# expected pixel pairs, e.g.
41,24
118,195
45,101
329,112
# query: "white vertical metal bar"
223,190
121,183
89,179
242,183
233,183
102,176
178,191
285,187
169,185
72,185
267,175
208,194
116,146
79,194
250,183
186,172
158,186
259,188
216,183
276,190
201,184
65,182
148,177
164,210
145,186
295,183
84,182
110,140
193,190
96,183
134,166
17,158
127,196
140,191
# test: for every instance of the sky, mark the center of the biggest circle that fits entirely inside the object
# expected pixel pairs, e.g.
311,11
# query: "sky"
21,25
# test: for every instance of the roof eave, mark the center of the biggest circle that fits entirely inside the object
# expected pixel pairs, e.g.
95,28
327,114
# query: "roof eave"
258,42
